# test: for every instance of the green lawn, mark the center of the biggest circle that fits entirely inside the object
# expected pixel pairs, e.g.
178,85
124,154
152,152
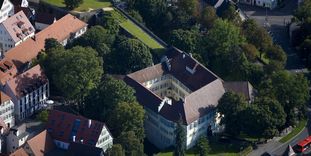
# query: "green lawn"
295,131
137,32
87,4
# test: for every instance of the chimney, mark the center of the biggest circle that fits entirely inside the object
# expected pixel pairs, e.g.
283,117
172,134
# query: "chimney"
74,138
183,55
90,123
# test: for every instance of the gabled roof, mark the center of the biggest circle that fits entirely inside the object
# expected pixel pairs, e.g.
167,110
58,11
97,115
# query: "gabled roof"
67,127
19,152
206,88
30,48
18,26
27,81
4,97
41,143
240,87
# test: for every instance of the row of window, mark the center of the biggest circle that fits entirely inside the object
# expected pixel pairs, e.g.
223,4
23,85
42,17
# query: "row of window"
9,116
3,111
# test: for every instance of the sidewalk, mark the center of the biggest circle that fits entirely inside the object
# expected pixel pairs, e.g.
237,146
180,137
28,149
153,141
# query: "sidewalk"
270,146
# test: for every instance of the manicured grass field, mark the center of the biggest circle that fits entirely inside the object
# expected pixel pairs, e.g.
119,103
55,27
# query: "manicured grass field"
87,4
295,131
137,32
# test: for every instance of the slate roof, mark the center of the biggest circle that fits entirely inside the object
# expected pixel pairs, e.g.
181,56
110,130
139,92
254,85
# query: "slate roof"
63,126
27,81
207,88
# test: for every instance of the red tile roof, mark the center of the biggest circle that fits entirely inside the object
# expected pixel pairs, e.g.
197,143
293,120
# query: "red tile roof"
61,126
30,48
4,97
18,26
41,143
19,152
30,79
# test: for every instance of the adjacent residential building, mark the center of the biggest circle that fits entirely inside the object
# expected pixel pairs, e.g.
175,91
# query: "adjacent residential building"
179,88
6,110
66,128
14,31
16,138
28,91
40,144
63,30
43,20
7,10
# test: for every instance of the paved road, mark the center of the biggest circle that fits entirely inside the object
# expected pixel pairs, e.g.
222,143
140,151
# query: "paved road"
277,20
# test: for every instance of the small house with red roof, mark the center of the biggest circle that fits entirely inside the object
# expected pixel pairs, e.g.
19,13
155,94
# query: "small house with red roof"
66,128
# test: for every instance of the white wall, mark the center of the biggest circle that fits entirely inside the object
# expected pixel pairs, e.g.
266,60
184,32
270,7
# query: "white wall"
7,10
13,142
105,140
32,102
7,113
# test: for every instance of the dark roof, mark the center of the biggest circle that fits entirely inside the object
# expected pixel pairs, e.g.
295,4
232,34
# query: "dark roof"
240,87
77,149
16,2
1,3
63,126
206,87
45,18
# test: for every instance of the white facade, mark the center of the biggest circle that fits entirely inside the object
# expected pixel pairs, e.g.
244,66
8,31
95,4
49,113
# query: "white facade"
31,102
160,131
271,4
7,113
73,36
105,140
15,139
6,10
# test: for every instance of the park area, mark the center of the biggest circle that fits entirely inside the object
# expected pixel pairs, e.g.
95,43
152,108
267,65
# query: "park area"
86,6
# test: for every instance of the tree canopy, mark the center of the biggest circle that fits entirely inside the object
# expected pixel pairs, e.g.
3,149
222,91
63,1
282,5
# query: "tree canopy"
71,4
132,55
180,145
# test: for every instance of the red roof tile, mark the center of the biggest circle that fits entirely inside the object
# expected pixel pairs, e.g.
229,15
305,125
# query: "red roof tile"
4,97
19,152
30,48
63,126
28,79
41,143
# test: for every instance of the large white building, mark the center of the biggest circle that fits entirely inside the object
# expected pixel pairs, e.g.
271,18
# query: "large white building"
179,88
6,110
28,91
66,128
7,10
14,30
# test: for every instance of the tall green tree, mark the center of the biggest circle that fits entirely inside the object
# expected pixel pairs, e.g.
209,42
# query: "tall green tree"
277,53
222,38
129,56
115,150
180,140
76,72
103,99
131,144
208,16
230,106
202,146
71,4
51,43
128,117
231,14
264,118
256,35
186,40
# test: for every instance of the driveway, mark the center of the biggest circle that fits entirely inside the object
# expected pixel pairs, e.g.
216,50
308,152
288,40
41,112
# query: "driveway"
277,20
